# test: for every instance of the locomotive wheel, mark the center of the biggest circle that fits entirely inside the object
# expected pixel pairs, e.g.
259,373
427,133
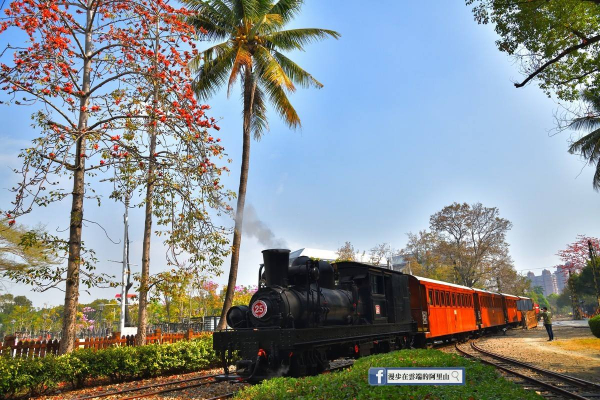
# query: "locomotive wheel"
297,365
310,362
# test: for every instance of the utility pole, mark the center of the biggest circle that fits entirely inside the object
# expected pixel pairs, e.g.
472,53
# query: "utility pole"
593,261
125,263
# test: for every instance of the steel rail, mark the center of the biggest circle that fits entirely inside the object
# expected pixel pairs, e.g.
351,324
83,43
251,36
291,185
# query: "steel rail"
135,389
543,384
571,379
174,389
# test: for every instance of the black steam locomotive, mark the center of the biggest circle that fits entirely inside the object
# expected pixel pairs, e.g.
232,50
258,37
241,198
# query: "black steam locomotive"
309,312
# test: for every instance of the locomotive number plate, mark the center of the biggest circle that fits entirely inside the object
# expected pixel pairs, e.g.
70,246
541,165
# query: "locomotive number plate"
259,309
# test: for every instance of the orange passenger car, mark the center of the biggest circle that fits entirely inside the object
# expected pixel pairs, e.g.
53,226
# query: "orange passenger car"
490,311
444,310
450,308
512,315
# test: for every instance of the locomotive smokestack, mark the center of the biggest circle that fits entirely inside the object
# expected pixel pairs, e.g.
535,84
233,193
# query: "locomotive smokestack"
277,263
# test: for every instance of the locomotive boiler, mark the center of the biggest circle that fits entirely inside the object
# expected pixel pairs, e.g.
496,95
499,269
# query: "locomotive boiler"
299,295
309,312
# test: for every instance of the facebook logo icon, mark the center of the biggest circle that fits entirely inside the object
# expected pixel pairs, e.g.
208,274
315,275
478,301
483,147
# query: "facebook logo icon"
377,376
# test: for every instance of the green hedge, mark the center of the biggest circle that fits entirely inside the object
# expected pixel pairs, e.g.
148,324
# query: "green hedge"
595,325
26,377
482,381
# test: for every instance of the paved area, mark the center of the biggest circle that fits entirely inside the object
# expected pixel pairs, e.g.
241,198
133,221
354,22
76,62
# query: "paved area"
582,323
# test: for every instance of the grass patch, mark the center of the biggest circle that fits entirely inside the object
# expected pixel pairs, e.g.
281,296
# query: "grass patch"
482,381
583,345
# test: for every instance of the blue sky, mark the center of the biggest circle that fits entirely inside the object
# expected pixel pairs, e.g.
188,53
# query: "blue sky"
418,111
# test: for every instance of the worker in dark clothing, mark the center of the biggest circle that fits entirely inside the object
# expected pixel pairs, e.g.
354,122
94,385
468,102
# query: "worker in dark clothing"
547,315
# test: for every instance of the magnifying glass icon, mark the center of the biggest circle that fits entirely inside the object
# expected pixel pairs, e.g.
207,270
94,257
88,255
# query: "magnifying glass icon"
456,375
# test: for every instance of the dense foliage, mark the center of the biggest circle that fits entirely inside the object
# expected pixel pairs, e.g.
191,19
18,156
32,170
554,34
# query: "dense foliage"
556,43
482,382
467,245
594,324
31,376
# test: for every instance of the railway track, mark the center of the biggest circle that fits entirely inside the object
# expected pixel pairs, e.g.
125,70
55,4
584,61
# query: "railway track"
183,384
154,389
339,365
548,383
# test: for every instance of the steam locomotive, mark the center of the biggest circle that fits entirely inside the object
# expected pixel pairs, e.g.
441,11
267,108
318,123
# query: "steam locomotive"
309,312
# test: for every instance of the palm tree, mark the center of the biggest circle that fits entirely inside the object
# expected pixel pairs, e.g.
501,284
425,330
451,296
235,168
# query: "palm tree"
588,146
253,42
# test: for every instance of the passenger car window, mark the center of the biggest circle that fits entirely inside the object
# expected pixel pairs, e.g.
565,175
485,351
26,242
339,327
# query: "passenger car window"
430,297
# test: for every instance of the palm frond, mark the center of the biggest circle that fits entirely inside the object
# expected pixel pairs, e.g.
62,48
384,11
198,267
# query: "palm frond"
588,147
215,17
259,113
266,24
270,70
288,9
282,104
592,98
212,72
209,54
244,10
295,72
596,181
296,39
242,59
585,123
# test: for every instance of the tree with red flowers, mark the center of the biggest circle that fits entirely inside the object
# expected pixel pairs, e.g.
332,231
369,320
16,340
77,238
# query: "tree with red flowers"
576,256
108,92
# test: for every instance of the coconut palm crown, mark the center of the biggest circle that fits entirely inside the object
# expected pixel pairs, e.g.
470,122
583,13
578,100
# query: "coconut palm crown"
588,146
253,39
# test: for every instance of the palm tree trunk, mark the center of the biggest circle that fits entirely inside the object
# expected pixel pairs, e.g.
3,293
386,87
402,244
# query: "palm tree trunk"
67,341
249,89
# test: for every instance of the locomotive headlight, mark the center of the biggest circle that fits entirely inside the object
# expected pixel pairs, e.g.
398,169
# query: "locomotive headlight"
236,317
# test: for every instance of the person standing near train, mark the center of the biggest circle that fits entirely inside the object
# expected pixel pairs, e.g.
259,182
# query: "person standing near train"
547,316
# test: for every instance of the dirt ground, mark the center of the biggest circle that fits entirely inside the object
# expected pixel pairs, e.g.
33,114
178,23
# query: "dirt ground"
570,352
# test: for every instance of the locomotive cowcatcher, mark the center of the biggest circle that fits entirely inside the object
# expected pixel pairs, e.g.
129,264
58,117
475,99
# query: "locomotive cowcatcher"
309,312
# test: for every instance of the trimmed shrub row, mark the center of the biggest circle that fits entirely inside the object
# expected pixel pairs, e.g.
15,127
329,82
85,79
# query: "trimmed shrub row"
481,382
594,324
34,376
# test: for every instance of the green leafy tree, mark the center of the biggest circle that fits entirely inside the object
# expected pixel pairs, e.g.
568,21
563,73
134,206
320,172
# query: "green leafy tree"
473,240
18,258
424,253
346,252
556,43
254,40
537,295
169,287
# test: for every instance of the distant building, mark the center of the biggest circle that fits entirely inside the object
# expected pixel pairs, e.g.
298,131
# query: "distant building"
547,281
561,279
